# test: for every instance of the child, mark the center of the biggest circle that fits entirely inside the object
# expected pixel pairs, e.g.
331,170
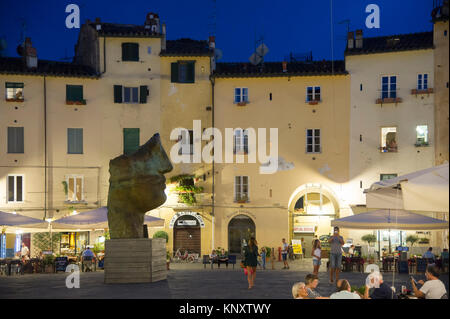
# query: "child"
263,257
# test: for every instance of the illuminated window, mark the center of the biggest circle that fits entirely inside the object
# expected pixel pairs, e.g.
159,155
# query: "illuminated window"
389,139
421,135
75,188
18,243
384,177
14,91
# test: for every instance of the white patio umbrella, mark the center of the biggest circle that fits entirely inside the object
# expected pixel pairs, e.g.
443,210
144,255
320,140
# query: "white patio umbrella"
425,190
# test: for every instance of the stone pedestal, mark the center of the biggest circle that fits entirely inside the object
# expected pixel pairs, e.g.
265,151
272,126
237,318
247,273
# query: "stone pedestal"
135,260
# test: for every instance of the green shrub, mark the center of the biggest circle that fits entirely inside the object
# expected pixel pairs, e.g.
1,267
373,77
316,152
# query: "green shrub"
161,234
412,239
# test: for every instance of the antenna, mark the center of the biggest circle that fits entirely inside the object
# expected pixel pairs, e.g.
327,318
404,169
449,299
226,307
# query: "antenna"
213,19
260,51
22,31
66,57
347,22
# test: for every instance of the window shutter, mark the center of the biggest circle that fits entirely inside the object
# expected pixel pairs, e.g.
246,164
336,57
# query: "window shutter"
68,93
75,141
15,140
190,76
130,140
117,93
130,52
125,52
143,92
174,72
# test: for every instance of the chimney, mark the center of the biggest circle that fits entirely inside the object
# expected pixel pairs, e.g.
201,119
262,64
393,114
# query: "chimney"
98,26
212,42
163,39
29,54
359,39
152,22
284,63
350,40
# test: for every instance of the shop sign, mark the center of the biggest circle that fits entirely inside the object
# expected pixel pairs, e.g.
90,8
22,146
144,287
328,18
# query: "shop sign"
297,246
187,223
193,214
304,229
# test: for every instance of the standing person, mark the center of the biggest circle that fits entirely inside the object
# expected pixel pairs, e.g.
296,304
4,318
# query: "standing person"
263,258
284,252
25,252
336,242
316,255
251,261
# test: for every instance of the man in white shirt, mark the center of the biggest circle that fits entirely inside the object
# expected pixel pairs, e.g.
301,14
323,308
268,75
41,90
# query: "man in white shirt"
344,291
433,288
25,251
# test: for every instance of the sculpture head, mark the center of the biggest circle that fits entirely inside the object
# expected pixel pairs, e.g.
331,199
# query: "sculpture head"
136,185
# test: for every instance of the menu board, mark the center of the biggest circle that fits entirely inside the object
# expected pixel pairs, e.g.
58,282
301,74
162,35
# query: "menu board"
61,263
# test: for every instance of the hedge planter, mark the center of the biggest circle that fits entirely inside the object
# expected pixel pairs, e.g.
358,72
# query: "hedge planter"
14,100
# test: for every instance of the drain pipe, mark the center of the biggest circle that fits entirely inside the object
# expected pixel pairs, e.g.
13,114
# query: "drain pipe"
45,148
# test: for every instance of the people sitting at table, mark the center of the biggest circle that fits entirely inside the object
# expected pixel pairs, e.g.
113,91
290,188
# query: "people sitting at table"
344,291
212,257
433,288
351,251
429,255
311,281
87,258
299,291
222,258
380,289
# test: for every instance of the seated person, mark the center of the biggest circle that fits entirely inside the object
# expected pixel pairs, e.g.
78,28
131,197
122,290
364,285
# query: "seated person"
222,258
383,291
433,288
213,256
429,254
299,291
344,291
444,254
351,250
312,281
87,258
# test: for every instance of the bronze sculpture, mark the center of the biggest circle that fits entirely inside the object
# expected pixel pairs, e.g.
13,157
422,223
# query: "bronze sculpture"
136,185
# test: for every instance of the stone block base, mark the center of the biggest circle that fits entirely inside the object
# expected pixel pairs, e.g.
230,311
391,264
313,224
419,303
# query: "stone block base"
135,260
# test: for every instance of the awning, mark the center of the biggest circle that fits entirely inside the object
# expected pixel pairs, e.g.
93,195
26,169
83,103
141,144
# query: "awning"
10,219
390,219
97,219
425,190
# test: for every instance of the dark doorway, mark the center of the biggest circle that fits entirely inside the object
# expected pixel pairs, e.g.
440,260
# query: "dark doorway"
240,229
186,234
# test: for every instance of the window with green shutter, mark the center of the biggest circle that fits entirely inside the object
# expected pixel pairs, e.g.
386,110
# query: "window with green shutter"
74,141
74,93
130,140
15,140
183,72
130,51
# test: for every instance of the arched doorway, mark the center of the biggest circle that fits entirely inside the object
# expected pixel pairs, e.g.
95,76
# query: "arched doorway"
240,229
186,234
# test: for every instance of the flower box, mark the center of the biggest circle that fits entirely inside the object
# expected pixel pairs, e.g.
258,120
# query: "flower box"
14,100
421,144
242,104
81,102
425,91
388,100
315,102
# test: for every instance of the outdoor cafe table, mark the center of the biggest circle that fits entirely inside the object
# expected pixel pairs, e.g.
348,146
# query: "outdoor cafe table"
349,262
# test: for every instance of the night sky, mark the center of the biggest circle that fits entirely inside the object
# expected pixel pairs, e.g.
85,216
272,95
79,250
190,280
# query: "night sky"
287,26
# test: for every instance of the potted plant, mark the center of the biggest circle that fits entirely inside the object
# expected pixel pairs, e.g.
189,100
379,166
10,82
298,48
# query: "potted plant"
242,199
369,239
243,103
49,263
412,239
424,241
163,234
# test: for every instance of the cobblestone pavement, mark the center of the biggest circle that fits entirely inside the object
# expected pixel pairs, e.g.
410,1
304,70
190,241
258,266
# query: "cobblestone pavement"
185,281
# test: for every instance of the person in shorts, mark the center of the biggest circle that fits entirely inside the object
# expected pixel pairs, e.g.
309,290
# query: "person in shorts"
284,253
336,242
316,256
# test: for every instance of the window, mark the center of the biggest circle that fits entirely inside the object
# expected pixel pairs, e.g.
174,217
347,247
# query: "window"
421,135
130,52
388,139
422,81
15,188
183,72
15,140
240,95
389,87
130,140
187,142
241,141
130,94
312,93
75,188
313,141
241,188
384,177
14,91
74,141
74,93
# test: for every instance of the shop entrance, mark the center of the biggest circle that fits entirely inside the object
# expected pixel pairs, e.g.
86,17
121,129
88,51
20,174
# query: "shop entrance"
306,242
187,235
240,229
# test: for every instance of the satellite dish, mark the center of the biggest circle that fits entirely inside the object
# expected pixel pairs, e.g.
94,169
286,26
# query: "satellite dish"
262,50
218,54
255,59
